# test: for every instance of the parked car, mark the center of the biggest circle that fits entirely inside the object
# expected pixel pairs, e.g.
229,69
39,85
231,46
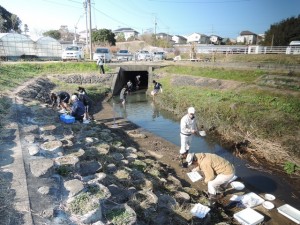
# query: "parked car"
72,53
124,55
105,52
159,55
144,55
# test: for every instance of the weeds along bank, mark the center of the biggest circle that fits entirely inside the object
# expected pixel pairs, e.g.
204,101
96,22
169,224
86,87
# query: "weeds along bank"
257,113
255,110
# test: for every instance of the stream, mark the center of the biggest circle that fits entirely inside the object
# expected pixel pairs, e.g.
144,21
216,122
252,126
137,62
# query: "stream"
141,110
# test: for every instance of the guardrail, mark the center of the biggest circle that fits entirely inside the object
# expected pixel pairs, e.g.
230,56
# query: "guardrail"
240,49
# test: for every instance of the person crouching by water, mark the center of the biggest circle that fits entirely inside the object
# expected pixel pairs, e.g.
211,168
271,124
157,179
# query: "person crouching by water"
100,63
157,88
217,171
77,109
123,94
187,128
61,99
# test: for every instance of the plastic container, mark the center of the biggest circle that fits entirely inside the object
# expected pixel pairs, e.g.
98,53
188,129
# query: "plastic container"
268,205
248,216
269,197
67,118
237,185
290,212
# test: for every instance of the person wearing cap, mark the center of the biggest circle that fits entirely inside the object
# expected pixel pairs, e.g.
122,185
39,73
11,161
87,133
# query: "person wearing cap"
77,109
217,171
187,128
100,63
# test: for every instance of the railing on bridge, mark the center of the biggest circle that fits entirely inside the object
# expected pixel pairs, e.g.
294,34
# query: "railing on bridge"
239,49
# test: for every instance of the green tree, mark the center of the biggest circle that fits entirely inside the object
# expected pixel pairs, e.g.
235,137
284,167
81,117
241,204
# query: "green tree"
121,37
53,33
148,38
103,36
282,33
9,22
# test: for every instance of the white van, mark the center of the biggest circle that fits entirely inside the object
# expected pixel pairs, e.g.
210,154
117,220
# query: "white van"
105,52
293,48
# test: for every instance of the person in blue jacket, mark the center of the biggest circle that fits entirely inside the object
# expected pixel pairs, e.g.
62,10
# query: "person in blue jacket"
78,109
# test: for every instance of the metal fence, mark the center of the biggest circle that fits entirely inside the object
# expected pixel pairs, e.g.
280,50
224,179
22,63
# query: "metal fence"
238,49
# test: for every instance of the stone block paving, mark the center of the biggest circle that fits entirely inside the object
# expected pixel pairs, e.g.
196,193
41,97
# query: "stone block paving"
88,174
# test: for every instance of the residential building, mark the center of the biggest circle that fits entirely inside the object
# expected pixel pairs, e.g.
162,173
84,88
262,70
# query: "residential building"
198,38
215,39
179,39
127,32
247,37
163,36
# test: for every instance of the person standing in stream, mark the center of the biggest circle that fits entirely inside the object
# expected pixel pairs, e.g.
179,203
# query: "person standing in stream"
187,128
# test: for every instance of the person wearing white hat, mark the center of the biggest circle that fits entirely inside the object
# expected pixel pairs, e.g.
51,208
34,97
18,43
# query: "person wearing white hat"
187,128
217,171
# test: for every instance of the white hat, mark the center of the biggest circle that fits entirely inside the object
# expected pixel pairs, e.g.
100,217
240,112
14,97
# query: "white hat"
190,158
74,97
182,151
191,110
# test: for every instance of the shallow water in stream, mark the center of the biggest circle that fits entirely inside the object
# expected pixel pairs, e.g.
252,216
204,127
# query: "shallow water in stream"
141,110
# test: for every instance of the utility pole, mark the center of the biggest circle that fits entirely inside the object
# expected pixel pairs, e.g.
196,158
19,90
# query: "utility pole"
155,24
90,28
272,42
86,27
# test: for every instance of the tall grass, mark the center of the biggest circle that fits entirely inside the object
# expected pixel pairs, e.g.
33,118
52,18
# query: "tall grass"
263,113
12,75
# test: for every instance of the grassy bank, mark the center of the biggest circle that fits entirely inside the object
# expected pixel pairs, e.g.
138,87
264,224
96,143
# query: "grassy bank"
268,118
14,74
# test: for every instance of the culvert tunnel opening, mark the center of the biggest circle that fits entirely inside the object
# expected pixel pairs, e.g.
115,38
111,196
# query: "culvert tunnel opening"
125,75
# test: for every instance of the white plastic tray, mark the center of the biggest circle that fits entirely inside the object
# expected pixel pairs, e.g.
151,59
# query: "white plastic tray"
251,200
200,210
194,176
248,216
290,212
248,200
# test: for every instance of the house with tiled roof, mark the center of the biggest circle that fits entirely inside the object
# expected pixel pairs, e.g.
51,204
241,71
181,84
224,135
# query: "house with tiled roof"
127,32
179,39
198,38
164,36
247,37
215,39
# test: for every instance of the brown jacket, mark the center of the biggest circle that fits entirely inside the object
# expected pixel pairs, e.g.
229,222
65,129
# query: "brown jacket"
212,165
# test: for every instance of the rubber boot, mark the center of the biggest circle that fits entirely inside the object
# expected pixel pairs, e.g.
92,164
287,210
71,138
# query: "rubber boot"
212,200
182,163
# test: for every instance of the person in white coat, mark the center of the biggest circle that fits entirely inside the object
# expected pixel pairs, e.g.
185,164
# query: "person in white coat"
187,128
100,63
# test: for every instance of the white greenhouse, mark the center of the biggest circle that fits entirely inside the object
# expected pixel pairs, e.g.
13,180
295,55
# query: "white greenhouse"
15,46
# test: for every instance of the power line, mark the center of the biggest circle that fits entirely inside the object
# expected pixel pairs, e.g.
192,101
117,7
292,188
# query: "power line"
59,3
197,2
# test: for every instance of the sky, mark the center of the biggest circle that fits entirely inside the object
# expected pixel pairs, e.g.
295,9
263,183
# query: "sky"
225,18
